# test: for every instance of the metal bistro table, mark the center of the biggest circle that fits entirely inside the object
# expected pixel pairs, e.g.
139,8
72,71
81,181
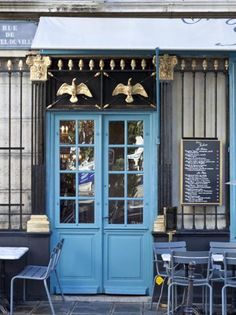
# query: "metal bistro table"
8,253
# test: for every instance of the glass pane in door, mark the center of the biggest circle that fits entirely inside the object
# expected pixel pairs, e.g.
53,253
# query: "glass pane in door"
77,171
126,172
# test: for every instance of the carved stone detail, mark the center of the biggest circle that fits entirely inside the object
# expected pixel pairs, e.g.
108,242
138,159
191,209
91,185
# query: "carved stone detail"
38,67
166,67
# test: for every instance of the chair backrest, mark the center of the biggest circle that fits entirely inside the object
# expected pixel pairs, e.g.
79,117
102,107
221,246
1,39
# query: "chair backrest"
199,258
54,258
168,247
229,264
221,247
59,247
160,248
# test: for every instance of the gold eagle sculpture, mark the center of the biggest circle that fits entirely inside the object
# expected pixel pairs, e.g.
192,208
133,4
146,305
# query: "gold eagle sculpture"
129,90
73,90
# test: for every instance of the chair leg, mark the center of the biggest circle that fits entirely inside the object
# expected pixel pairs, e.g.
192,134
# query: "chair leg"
160,296
153,290
62,295
24,293
204,300
169,302
11,296
210,298
223,300
49,297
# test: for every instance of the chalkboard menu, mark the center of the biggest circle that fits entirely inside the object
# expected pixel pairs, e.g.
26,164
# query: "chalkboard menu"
201,171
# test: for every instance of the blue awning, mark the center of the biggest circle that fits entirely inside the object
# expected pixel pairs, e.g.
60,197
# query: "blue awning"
135,33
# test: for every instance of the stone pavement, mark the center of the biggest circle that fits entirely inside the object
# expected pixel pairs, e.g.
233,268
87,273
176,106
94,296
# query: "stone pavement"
94,305
87,308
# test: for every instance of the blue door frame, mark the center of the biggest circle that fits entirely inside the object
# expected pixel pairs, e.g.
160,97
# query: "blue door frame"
102,257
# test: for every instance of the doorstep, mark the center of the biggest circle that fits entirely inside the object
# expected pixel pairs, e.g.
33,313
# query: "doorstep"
105,298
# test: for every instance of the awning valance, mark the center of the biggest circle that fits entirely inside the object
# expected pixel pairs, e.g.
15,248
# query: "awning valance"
135,33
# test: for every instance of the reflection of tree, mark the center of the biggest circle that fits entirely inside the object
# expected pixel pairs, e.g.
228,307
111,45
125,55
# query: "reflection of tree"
119,164
134,184
116,185
67,184
135,128
86,154
86,131
116,212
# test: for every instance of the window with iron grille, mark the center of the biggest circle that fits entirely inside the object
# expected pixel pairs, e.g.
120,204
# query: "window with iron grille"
15,144
194,105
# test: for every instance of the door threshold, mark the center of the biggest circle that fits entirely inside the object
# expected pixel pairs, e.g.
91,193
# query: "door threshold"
106,298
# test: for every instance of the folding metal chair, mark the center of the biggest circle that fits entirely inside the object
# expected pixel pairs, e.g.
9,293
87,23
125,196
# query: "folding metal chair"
39,273
180,261
229,277
217,269
160,248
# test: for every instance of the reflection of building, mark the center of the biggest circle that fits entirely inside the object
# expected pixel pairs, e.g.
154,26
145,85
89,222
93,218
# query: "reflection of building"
102,168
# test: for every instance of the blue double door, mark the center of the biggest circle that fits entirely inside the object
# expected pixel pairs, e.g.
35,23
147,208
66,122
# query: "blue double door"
100,200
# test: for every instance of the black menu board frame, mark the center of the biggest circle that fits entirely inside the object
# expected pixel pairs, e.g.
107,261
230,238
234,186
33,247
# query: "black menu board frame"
201,180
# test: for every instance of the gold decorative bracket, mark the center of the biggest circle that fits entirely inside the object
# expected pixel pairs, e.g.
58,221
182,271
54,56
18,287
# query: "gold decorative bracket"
166,67
38,67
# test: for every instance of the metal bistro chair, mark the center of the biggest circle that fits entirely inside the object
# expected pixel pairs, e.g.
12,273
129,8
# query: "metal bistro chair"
229,277
160,248
40,273
217,268
200,279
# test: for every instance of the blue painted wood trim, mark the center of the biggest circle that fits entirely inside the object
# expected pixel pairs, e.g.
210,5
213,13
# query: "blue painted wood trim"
232,121
98,52
156,132
197,53
137,52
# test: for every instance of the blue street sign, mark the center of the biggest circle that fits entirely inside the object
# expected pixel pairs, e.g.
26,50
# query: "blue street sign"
16,34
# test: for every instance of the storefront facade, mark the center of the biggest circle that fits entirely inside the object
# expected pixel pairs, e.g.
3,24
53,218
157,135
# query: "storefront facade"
95,131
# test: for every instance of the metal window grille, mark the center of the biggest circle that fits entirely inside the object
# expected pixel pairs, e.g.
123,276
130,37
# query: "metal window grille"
194,105
15,144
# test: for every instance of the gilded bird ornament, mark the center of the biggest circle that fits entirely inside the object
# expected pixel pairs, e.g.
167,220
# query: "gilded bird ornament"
129,90
74,90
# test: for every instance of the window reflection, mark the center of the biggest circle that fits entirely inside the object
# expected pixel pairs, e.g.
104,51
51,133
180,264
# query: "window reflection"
86,158
67,184
135,159
67,131
135,186
135,212
67,158
86,211
86,184
116,212
116,159
135,132
67,211
116,185
116,132
86,131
